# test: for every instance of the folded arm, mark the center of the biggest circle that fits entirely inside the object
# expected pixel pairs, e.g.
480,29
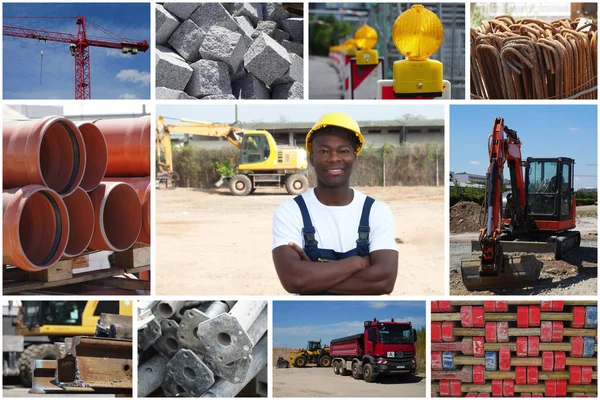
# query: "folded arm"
298,274
380,278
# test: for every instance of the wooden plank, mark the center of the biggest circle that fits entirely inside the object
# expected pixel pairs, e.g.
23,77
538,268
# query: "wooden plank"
18,287
60,271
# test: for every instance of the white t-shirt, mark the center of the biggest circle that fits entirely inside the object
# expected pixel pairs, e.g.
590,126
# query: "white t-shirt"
336,227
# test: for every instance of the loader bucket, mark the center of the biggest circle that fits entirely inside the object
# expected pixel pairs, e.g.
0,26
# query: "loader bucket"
282,363
516,272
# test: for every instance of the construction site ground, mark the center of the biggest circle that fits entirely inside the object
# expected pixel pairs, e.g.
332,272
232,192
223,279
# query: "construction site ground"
12,387
576,274
210,242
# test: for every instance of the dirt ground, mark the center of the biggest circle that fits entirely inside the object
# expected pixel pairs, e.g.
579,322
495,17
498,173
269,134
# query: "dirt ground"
322,382
575,274
210,242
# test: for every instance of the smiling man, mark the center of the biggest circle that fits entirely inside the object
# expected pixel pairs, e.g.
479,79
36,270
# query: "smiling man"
333,239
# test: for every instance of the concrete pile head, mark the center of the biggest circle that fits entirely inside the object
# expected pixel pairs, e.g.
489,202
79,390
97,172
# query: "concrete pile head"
231,33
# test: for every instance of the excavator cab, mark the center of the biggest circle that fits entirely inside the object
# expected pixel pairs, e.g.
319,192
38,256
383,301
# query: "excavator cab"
550,192
255,148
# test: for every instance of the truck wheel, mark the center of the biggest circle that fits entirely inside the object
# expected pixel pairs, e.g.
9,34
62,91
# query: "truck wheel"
368,374
300,362
240,185
336,368
325,362
355,371
44,351
296,184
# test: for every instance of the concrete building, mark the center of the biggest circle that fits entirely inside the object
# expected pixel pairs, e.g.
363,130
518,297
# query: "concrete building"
376,133
464,179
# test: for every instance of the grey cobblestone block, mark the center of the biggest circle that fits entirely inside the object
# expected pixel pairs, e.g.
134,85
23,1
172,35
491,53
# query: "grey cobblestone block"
171,69
264,27
249,87
294,74
274,12
248,10
266,59
295,27
244,25
221,44
163,93
293,47
209,78
166,23
208,15
186,40
279,35
219,97
288,91
181,10
240,73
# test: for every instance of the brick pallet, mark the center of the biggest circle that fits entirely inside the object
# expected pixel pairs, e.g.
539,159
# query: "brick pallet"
514,348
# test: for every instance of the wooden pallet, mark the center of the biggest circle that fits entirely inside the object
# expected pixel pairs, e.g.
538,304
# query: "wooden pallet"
65,277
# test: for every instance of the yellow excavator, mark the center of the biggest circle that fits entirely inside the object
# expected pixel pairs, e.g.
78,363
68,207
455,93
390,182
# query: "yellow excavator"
261,163
313,354
30,333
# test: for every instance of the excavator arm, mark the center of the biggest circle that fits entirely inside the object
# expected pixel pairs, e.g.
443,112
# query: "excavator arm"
502,150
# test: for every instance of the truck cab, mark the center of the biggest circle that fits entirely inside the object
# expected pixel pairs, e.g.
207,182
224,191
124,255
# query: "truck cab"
383,348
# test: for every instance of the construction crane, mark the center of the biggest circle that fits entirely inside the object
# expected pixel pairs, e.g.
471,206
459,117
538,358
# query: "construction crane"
79,45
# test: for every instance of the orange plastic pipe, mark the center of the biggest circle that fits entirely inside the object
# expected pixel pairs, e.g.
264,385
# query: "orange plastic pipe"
128,143
117,216
35,227
96,155
81,217
48,152
142,188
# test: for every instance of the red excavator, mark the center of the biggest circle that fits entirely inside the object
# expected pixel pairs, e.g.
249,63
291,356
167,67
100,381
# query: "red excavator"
535,216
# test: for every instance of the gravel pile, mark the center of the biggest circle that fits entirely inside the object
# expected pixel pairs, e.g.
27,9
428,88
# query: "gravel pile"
228,51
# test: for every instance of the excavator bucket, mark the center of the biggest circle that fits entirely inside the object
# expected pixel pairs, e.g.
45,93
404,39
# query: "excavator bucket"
282,363
515,272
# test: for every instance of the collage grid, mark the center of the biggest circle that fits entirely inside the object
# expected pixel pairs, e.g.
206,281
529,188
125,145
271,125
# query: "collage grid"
472,342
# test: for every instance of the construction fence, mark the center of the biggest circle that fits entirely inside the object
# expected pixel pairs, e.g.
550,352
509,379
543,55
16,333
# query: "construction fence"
406,165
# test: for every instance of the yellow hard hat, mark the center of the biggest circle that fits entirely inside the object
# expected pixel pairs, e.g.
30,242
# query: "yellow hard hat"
336,119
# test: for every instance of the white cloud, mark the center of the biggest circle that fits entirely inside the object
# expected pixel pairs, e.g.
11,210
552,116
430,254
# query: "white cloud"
574,129
474,162
116,53
378,304
128,96
135,76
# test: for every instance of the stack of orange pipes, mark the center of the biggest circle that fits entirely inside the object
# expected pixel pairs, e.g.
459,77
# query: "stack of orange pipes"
71,187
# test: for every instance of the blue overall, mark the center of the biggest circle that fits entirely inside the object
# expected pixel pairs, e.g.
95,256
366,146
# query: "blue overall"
311,246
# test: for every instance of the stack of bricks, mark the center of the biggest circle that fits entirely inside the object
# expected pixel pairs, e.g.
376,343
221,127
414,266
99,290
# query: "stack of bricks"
514,348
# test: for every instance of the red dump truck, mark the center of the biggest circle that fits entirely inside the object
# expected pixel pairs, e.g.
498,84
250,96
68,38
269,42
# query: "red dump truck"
383,348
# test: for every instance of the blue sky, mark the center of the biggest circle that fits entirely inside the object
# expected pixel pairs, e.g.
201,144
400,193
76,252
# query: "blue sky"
113,75
296,322
295,112
545,131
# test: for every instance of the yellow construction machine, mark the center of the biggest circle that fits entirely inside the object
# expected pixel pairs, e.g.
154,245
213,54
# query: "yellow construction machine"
261,163
38,324
313,354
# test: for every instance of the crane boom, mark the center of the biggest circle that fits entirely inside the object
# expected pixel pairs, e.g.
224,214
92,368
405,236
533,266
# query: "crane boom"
79,47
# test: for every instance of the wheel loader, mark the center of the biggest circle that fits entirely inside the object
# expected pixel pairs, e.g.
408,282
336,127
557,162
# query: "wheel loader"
536,216
313,354
261,162
30,333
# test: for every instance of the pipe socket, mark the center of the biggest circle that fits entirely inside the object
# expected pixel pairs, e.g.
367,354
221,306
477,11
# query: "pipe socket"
96,154
81,222
117,216
48,152
35,227
142,188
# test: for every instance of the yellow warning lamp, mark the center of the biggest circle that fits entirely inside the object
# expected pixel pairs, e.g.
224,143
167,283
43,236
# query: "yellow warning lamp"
366,38
417,34
350,47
